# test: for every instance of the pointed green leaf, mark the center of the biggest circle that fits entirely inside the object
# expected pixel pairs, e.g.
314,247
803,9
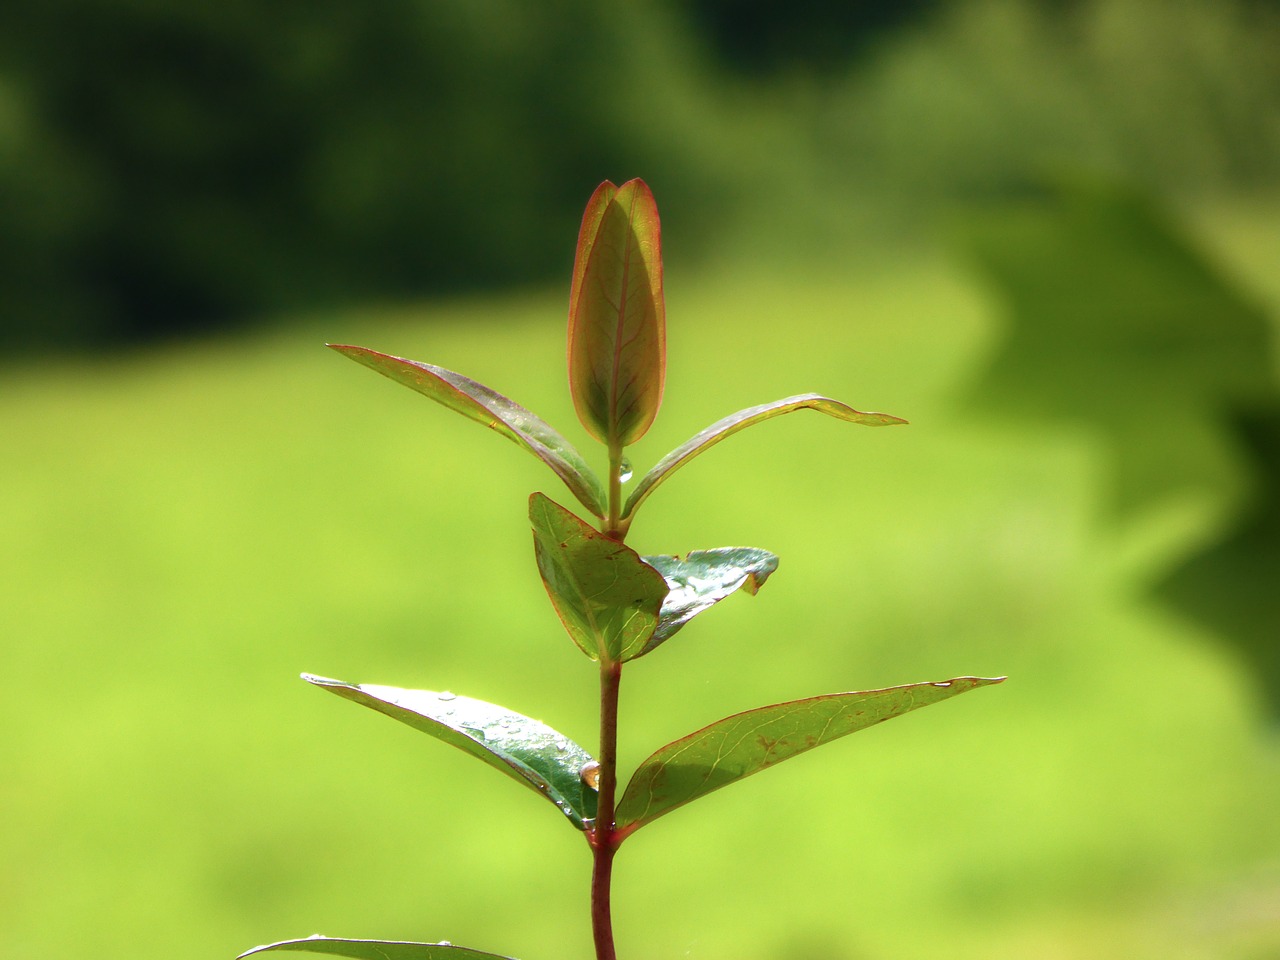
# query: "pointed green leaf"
493,410
738,746
730,425
526,750
617,318
375,949
704,578
606,596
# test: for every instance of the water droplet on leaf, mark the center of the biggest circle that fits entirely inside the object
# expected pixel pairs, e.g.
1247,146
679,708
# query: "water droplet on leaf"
624,470
590,774
943,683
446,695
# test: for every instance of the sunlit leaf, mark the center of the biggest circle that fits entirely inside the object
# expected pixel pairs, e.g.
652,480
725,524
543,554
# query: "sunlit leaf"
493,410
746,743
617,318
704,578
375,949
606,596
730,425
526,750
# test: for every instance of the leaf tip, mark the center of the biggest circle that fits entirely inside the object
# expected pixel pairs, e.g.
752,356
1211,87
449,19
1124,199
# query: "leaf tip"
321,681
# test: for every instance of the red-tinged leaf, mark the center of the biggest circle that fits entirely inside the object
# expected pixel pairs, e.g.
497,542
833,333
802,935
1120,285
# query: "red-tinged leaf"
617,319
746,743
374,949
527,751
607,597
587,233
731,424
500,414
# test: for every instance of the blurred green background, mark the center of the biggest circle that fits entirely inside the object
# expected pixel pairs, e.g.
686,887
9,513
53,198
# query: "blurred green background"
1044,232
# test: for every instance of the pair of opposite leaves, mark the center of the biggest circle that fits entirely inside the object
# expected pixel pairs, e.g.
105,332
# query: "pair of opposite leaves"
617,359
613,603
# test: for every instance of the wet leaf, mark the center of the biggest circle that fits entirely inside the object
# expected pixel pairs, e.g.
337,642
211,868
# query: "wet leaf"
493,410
375,949
607,597
730,425
746,743
617,318
525,750
704,578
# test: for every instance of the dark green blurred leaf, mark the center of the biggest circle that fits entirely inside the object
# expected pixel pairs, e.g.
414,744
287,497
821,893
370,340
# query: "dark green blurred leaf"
731,424
606,596
493,410
375,949
704,578
1232,587
1117,322
617,318
526,750
746,743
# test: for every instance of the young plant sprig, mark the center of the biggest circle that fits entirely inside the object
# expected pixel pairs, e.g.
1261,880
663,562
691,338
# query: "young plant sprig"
615,605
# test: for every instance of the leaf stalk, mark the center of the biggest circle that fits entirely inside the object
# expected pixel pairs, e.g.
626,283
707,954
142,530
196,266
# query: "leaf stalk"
613,526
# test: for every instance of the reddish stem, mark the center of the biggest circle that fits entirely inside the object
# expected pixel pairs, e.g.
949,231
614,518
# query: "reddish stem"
603,838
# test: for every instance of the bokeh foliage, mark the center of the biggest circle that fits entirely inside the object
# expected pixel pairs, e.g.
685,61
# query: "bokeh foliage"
168,167
174,165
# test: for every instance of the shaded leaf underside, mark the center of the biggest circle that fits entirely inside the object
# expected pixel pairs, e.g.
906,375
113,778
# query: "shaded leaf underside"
526,750
607,597
746,743
731,424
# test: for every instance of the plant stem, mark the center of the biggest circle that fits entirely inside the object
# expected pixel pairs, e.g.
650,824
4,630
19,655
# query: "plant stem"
604,843
613,526
602,837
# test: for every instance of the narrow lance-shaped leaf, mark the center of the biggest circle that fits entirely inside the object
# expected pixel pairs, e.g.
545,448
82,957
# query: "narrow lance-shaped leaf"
526,750
746,743
500,414
704,578
607,597
617,318
731,424
374,949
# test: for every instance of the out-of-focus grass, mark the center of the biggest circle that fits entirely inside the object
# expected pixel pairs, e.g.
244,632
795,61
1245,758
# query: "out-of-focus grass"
188,530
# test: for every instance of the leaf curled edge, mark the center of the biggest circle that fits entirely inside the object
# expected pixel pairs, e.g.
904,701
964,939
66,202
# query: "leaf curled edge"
374,949
491,409
745,743
703,578
727,427
526,750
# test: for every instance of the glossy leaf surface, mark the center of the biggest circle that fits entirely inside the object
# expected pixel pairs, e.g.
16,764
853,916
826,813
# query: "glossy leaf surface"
730,425
617,318
704,578
374,949
526,750
607,597
746,743
493,410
